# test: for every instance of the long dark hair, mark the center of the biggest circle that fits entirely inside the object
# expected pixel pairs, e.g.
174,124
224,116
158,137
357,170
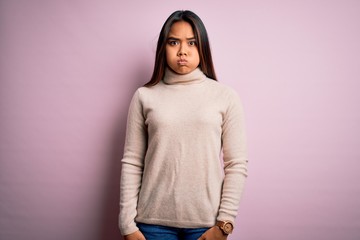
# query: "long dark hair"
206,63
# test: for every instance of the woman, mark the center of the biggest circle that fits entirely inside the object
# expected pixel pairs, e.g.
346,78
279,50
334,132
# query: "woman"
173,182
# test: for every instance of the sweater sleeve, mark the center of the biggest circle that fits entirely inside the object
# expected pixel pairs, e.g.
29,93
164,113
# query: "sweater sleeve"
235,158
132,165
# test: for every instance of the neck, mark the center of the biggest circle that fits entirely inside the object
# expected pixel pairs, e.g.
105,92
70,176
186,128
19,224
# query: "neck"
171,77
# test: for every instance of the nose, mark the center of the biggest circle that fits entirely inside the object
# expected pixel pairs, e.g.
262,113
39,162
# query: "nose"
182,51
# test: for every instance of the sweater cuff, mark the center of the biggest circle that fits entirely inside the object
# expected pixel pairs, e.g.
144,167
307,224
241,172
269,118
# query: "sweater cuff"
128,229
225,217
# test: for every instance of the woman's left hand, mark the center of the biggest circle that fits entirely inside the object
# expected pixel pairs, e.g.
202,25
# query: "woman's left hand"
213,233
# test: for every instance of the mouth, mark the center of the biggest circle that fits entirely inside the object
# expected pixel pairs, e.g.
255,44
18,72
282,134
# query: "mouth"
182,61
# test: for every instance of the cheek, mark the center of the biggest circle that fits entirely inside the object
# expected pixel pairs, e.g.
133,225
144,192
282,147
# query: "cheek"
169,54
197,56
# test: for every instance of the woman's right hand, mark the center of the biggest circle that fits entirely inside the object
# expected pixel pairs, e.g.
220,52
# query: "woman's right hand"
135,236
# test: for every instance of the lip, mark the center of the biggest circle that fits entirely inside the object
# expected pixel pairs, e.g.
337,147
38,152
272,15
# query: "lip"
182,61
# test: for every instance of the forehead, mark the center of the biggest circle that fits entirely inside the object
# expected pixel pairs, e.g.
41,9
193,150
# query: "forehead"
181,29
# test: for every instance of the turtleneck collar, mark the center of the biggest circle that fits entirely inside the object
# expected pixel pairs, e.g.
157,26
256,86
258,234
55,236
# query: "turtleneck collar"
196,76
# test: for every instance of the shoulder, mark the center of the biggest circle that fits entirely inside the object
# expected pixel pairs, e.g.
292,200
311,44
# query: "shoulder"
141,91
148,90
223,89
142,94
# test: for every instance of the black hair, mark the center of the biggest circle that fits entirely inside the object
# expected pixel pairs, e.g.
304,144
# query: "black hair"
201,37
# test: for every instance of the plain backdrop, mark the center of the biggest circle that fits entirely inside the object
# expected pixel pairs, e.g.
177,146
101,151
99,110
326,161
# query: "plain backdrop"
68,70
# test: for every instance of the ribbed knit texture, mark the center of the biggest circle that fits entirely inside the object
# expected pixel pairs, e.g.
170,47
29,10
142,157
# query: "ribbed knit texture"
172,170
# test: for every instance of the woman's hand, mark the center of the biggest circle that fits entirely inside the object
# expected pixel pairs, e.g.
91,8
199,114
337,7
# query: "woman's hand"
213,233
135,236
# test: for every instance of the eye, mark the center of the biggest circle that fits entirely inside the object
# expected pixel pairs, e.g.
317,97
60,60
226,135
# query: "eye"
192,43
173,42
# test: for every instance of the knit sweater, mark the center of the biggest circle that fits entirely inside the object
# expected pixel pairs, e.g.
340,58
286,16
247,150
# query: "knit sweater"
185,158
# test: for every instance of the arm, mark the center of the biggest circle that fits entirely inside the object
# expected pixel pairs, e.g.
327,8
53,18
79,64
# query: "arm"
235,166
235,159
132,165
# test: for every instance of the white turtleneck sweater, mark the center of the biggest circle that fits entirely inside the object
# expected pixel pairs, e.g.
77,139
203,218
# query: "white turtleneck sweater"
173,172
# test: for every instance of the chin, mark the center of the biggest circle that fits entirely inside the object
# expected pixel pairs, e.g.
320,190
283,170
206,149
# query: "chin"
184,71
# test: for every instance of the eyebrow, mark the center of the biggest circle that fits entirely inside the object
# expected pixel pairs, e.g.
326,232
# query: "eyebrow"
174,38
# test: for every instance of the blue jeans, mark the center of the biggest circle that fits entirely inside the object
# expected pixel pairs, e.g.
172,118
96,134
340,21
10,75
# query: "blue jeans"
156,232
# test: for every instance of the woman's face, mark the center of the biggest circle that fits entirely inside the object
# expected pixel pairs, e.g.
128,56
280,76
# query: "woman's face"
182,54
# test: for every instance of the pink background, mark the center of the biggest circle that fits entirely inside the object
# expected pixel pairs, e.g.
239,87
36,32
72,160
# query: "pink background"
69,68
